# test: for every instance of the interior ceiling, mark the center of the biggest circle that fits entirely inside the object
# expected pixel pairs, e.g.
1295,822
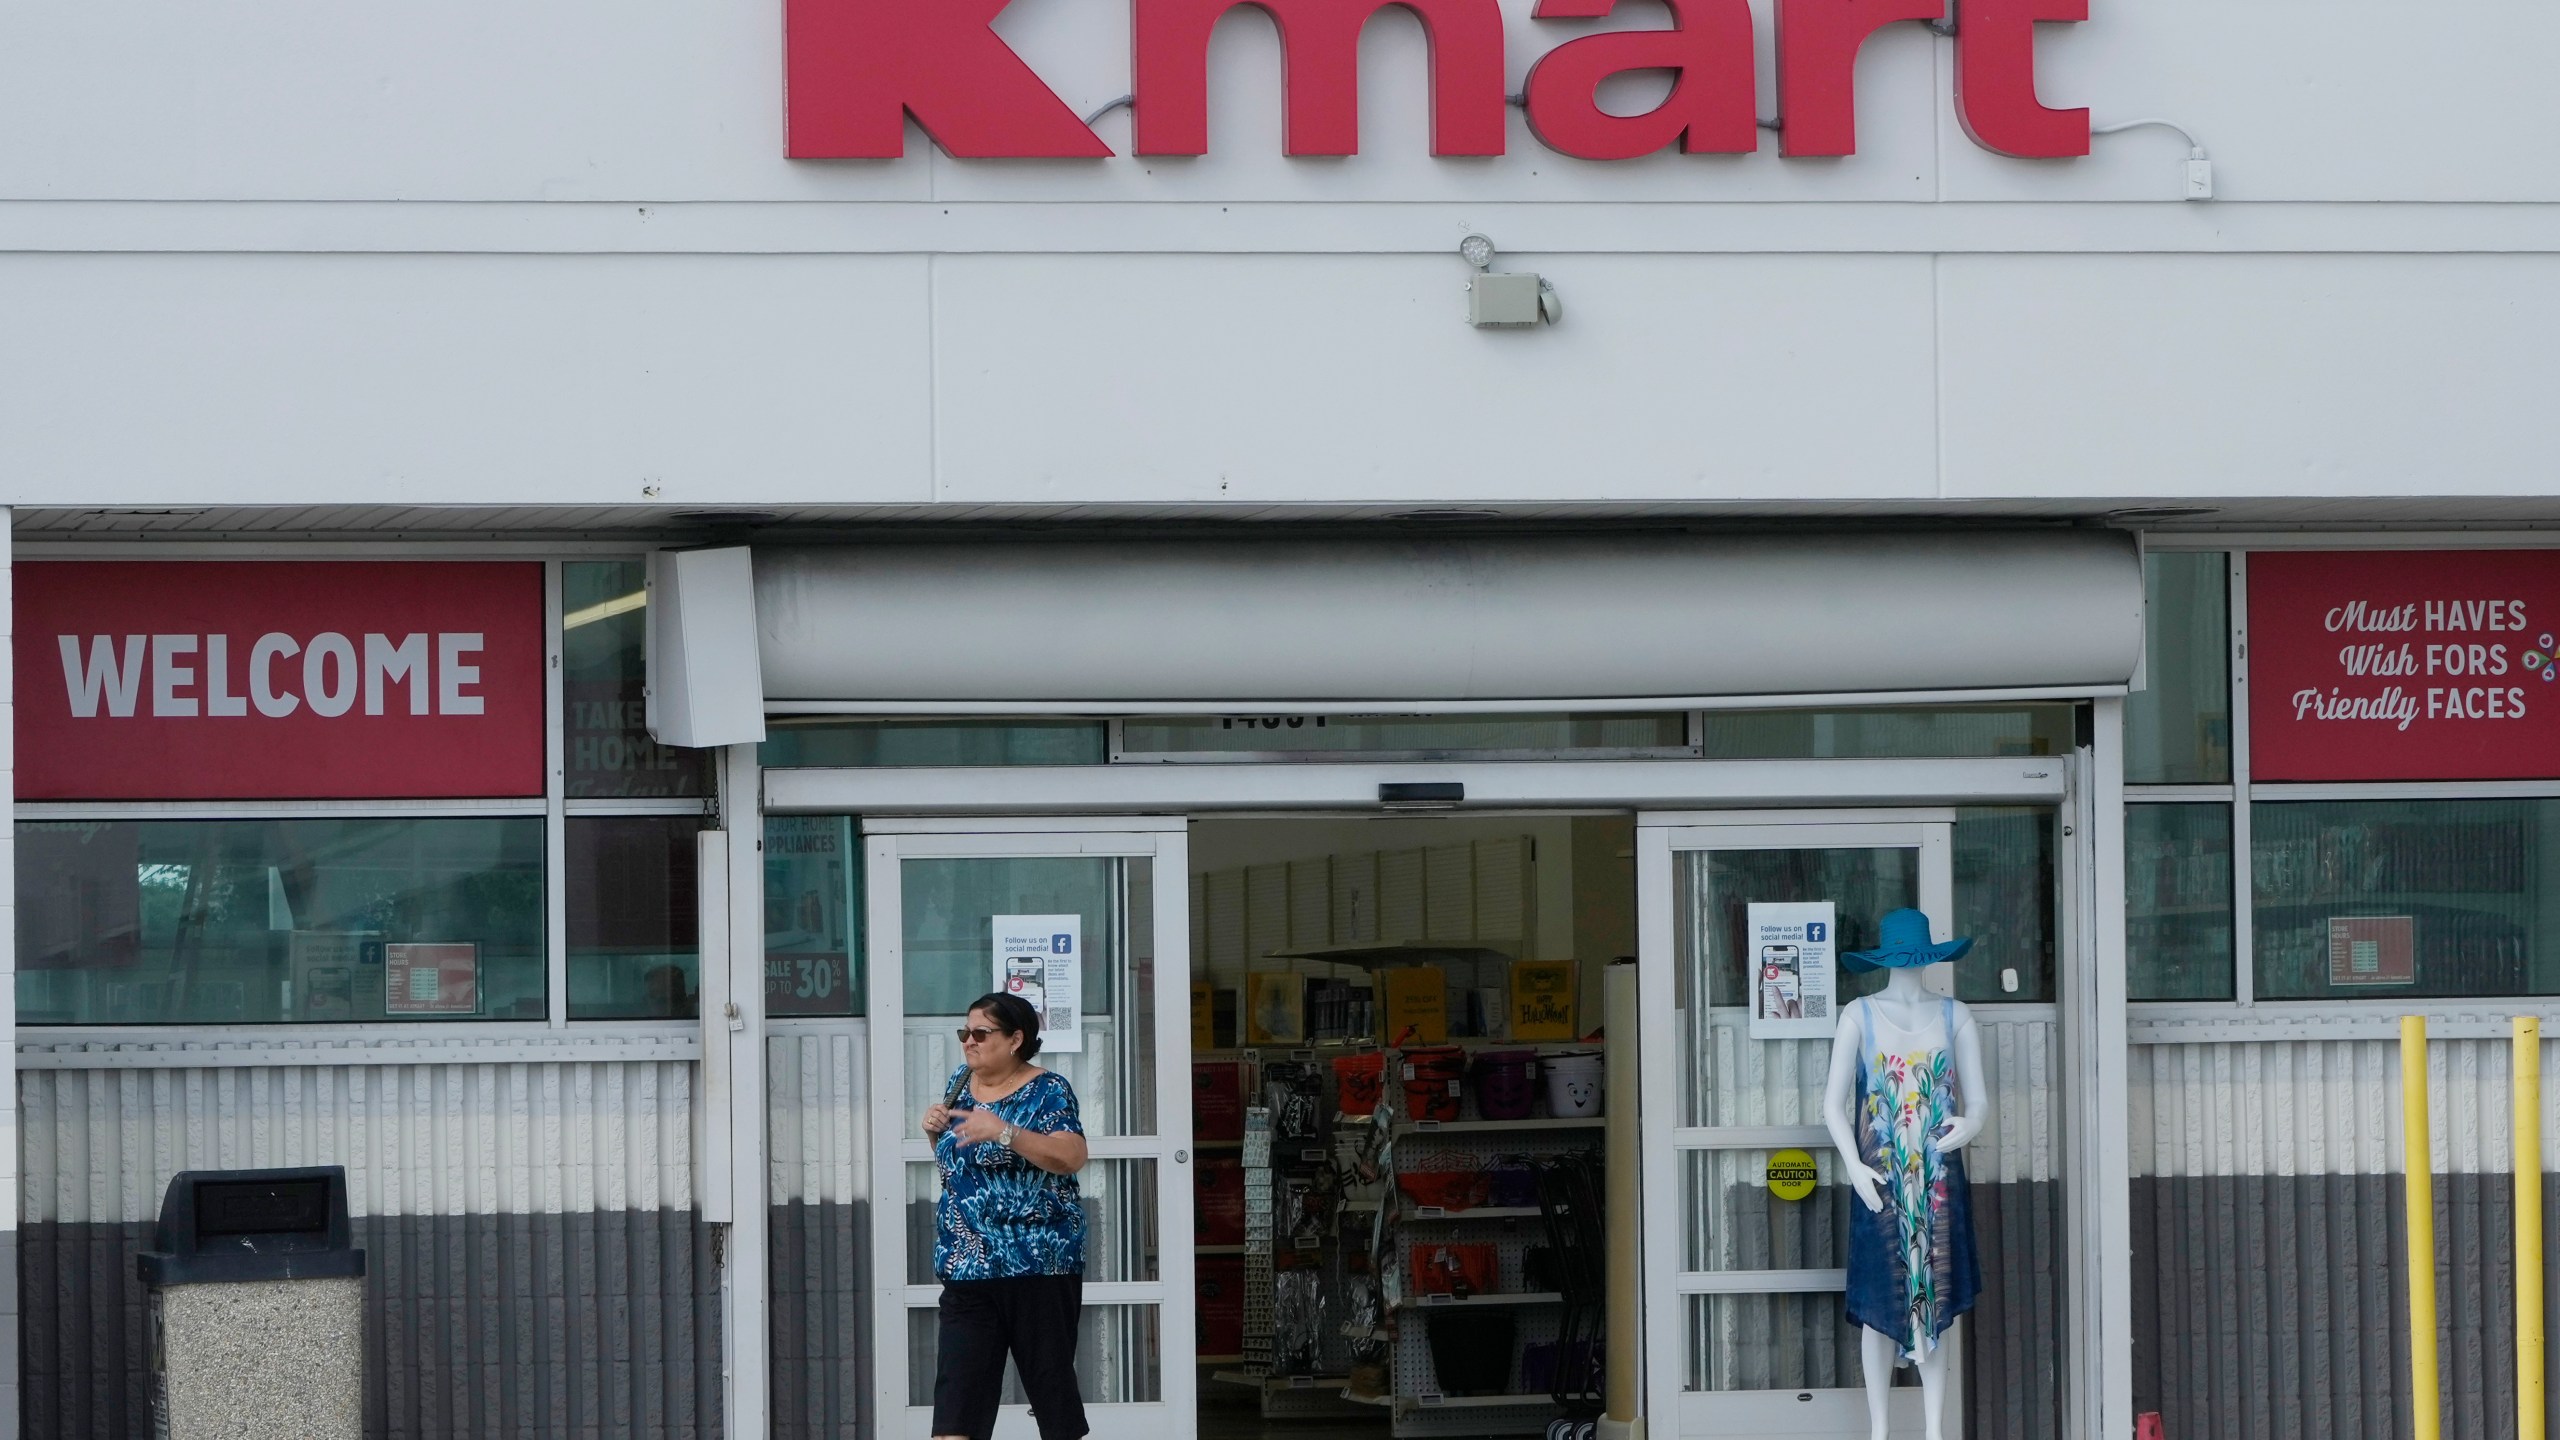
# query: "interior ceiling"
817,522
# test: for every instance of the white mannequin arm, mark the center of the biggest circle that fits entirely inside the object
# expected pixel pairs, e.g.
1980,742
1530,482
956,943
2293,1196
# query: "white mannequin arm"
1837,1092
1970,1084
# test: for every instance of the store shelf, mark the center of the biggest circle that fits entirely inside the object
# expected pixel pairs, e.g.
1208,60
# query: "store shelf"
1274,1383
1217,1249
1220,1360
1481,1212
1451,1302
1478,1402
1489,1127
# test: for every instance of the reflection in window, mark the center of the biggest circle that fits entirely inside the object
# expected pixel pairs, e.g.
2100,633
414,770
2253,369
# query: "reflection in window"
633,892
2005,885
2177,894
2177,729
1426,736
2388,899
826,742
604,619
812,916
1943,732
125,922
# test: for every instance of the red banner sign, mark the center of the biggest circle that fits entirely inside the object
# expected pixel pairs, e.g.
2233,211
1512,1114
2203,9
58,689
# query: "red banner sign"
2404,665
202,680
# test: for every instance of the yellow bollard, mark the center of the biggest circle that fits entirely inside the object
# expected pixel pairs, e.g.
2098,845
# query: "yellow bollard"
2529,1373
2418,1166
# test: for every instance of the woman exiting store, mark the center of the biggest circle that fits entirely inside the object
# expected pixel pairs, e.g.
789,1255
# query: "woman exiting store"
1009,1229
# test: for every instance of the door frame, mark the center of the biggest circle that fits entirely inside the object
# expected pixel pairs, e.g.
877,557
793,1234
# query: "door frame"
895,1144
1660,837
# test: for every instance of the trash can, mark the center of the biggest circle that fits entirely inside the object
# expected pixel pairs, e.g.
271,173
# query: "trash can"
257,1307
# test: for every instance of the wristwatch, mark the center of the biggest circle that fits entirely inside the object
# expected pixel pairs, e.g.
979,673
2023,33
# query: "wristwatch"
1004,1137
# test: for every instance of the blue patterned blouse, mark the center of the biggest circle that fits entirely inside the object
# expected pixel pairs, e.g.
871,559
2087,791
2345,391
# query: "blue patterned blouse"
1000,1215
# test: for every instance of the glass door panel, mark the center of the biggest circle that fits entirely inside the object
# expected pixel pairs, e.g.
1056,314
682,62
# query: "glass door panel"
1747,1338
935,899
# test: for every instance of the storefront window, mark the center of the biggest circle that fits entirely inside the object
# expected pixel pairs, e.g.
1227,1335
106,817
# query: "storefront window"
134,922
2177,729
633,888
1948,732
1664,733
2177,892
603,642
2004,896
792,743
812,916
2390,899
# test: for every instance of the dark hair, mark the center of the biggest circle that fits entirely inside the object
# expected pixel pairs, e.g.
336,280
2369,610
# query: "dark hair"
1014,1016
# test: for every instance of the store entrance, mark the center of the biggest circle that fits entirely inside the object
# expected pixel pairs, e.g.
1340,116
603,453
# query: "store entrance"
1396,1060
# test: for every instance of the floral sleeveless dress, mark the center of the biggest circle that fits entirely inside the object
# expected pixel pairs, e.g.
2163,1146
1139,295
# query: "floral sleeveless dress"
1912,1266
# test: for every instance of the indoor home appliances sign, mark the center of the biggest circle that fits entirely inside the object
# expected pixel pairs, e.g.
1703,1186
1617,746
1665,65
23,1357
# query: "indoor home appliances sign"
858,69
186,680
2404,665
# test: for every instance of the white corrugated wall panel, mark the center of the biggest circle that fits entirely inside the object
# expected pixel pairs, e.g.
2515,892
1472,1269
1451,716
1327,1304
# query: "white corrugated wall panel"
820,1135
550,1137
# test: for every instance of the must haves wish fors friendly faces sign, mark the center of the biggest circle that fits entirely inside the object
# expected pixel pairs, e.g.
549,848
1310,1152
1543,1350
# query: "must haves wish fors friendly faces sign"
233,680
2404,665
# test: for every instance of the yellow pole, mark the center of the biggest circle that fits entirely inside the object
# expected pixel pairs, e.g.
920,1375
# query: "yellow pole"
2529,1371
2418,1164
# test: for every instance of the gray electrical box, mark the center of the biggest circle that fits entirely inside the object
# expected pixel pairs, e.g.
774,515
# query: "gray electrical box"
1502,301
257,1307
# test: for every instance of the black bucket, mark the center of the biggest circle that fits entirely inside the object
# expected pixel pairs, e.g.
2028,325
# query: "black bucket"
1471,1354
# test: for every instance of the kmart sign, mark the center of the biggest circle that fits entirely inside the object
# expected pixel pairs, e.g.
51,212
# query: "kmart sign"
859,68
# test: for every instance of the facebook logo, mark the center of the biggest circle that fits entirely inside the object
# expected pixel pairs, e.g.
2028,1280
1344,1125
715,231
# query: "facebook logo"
1062,944
1815,932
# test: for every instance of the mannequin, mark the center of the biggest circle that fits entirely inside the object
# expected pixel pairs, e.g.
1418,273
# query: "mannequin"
1924,1211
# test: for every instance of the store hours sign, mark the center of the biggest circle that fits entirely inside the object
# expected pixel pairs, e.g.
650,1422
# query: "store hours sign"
2404,665
239,680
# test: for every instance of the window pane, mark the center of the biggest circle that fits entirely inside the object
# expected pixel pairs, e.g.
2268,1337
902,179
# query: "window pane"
1423,736
158,922
2387,899
801,744
634,917
2005,886
2177,731
2177,903
812,916
603,620
1952,732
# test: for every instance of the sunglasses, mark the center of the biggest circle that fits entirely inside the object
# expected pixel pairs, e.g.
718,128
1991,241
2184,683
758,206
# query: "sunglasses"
978,1033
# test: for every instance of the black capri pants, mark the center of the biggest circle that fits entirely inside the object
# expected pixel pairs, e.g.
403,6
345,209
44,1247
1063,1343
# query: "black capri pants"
1033,1317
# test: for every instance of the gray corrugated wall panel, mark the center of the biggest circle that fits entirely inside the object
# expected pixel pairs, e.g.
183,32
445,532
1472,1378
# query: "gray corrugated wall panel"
821,1309
2274,1308
2014,1343
602,1326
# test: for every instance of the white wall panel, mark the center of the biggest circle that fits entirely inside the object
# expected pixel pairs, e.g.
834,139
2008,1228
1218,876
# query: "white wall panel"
2264,375
2321,1107
2356,100
133,379
820,1145
1196,378
100,1145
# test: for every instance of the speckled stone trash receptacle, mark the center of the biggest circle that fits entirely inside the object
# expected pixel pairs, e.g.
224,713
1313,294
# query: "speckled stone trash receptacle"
260,1358
257,1308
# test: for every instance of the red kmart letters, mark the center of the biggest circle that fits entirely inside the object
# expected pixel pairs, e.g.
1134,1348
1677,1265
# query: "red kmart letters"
857,68
1713,105
1818,43
1320,67
1996,80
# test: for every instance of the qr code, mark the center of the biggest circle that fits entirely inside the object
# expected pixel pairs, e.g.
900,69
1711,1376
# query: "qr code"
1817,1007
1060,1017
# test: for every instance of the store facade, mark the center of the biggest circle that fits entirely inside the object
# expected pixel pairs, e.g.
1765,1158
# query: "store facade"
570,572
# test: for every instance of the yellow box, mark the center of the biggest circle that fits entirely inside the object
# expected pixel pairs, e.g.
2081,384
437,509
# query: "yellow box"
1544,996
1417,1005
1204,1013
1275,1009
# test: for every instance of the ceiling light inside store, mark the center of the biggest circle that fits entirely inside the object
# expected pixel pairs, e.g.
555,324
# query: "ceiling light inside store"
604,609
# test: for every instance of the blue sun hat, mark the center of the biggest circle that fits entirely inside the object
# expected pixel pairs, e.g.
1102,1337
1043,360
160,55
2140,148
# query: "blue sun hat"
1905,943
